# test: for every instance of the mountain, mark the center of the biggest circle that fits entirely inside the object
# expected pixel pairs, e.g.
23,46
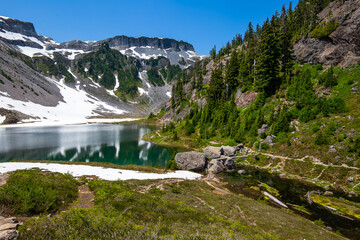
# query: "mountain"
117,76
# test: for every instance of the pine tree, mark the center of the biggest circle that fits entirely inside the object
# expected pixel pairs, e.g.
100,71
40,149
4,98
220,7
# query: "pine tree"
232,73
268,60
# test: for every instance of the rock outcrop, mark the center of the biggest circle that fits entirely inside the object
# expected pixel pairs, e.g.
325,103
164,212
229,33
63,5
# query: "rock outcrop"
193,161
341,47
8,228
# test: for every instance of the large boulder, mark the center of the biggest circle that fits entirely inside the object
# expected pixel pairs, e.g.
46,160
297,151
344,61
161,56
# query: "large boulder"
215,166
193,161
213,152
228,151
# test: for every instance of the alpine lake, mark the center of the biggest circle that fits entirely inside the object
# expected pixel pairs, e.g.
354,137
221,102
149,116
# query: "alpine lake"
113,143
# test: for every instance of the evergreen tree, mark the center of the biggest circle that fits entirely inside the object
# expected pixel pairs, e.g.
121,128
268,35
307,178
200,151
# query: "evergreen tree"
268,60
232,73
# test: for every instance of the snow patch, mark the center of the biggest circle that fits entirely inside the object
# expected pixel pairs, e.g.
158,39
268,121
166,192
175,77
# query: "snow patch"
2,119
169,94
110,174
142,91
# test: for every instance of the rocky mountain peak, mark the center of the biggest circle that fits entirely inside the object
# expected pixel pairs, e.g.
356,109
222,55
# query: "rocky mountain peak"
16,26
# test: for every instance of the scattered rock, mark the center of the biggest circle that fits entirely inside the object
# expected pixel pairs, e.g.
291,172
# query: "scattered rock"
349,159
242,172
351,118
193,161
213,152
328,194
332,149
355,89
350,179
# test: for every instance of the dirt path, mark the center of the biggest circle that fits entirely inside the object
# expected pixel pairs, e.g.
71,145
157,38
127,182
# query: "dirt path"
85,198
313,159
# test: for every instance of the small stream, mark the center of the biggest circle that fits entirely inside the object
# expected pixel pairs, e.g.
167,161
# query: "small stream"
292,192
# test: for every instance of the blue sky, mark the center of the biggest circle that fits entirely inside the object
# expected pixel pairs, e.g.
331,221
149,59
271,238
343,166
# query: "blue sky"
199,22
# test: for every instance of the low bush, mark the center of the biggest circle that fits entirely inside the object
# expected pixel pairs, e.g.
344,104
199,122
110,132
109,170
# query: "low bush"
31,192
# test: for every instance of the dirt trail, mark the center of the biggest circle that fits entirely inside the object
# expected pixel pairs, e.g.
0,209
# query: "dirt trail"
313,159
85,198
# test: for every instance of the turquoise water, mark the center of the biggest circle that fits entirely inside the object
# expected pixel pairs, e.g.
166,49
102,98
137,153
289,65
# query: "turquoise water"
119,144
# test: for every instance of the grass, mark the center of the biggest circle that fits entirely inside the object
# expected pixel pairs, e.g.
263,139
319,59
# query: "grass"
169,209
31,192
342,206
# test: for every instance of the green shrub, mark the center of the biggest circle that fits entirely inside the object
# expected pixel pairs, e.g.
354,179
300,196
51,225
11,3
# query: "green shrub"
324,31
328,79
31,192
321,139
315,128
334,105
265,146
175,190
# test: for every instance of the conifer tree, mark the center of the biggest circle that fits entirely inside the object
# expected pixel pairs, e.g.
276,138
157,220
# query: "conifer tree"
268,64
232,74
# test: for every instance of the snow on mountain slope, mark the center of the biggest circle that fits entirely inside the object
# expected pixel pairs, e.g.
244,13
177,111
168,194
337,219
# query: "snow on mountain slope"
77,106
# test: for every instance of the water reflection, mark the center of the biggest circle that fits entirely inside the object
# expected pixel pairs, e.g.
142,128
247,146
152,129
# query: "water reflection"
120,144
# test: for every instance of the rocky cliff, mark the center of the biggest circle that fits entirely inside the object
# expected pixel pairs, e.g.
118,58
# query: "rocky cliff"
342,46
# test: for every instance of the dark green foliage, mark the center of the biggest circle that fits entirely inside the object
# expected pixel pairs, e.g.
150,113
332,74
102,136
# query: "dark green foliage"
282,122
321,139
171,164
216,88
268,61
108,79
328,79
48,67
154,77
324,30
151,116
31,192
334,105
128,81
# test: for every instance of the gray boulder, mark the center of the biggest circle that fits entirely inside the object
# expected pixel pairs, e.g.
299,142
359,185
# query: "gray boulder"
229,163
242,172
193,161
228,151
215,167
350,179
213,152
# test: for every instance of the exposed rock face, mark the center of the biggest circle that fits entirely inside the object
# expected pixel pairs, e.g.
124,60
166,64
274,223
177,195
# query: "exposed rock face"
193,161
244,99
342,47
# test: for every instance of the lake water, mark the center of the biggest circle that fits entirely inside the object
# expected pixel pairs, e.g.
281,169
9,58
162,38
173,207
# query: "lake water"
119,144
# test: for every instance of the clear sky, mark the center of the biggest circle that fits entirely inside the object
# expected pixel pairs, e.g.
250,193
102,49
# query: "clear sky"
203,23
